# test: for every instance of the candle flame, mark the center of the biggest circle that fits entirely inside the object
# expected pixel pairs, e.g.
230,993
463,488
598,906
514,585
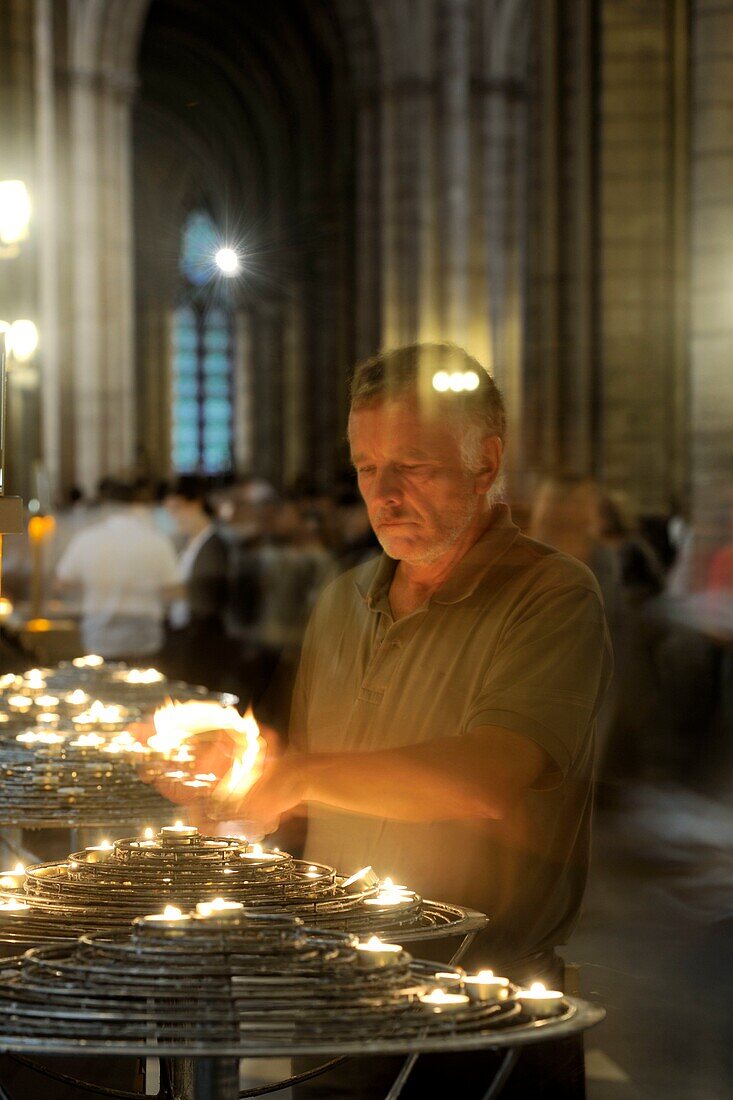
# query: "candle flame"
19,869
149,833
172,912
177,723
485,975
257,849
537,989
91,660
374,943
105,844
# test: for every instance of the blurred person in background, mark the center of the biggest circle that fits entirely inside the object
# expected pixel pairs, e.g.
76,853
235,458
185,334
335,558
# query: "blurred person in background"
292,565
196,646
125,571
357,541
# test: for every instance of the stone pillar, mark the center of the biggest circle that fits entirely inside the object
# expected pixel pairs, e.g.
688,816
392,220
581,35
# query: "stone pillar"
453,168
86,288
47,203
407,210
294,382
711,327
117,261
368,275
642,238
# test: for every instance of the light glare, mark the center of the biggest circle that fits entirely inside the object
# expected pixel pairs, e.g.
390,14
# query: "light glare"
227,261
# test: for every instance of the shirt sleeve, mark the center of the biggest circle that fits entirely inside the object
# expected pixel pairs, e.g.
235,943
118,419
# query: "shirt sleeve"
549,675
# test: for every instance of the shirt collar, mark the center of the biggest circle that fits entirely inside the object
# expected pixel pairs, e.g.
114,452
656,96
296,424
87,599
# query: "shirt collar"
466,576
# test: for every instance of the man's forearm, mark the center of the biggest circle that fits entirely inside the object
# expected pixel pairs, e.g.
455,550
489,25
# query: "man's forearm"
447,779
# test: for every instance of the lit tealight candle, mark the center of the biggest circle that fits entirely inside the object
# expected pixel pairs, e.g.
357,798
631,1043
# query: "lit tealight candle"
48,718
140,676
486,986
375,953
149,833
97,853
170,915
258,854
76,698
390,895
440,1001
91,660
20,703
87,741
12,880
179,831
219,908
13,905
540,1002
34,682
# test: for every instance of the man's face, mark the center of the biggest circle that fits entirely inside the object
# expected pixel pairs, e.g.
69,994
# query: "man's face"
419,496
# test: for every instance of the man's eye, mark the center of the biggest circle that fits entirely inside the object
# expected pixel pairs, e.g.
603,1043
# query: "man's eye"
364,470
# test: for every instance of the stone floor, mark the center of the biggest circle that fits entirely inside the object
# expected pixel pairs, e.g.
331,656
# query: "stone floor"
655,945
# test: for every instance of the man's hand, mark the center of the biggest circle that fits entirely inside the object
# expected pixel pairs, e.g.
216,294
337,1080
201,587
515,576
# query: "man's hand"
280,788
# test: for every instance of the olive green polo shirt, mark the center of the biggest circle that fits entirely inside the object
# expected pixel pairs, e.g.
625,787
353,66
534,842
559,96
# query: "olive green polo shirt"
516,637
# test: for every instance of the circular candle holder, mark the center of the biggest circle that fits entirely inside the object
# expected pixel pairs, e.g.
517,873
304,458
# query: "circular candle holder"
107,888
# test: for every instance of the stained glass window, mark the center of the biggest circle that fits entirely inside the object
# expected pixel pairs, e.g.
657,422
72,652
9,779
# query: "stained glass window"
202,364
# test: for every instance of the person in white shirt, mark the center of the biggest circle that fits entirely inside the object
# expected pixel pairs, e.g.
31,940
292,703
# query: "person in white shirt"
126,571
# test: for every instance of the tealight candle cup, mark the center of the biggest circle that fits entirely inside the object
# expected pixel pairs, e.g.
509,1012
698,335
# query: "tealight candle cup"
440,1001
539,1002
486,986
373,954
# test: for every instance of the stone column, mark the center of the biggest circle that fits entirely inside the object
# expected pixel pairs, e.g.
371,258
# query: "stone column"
47,203
453,168
102,295
368,280
711,316
88,343
117,263
406,211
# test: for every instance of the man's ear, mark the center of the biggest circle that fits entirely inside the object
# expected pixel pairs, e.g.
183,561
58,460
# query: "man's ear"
493,450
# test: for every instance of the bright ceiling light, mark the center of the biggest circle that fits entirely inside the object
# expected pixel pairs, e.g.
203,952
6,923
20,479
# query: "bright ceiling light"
456,381
470,380
22,340
15,211
441,381
227,261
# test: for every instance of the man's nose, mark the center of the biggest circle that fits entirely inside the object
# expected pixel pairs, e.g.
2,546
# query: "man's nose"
387,489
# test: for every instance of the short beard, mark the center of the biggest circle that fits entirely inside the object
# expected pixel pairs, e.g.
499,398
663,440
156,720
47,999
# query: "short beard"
457,529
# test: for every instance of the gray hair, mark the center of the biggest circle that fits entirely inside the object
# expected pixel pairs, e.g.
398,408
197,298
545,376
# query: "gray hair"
473,414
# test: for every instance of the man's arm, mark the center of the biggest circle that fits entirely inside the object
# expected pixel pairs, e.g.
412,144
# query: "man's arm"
479,775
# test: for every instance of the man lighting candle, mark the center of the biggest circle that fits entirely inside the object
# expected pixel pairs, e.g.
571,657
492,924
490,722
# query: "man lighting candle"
444,710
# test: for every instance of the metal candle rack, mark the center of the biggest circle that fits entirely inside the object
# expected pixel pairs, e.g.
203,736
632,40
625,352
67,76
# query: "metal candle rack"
65,759
106,888
221,986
